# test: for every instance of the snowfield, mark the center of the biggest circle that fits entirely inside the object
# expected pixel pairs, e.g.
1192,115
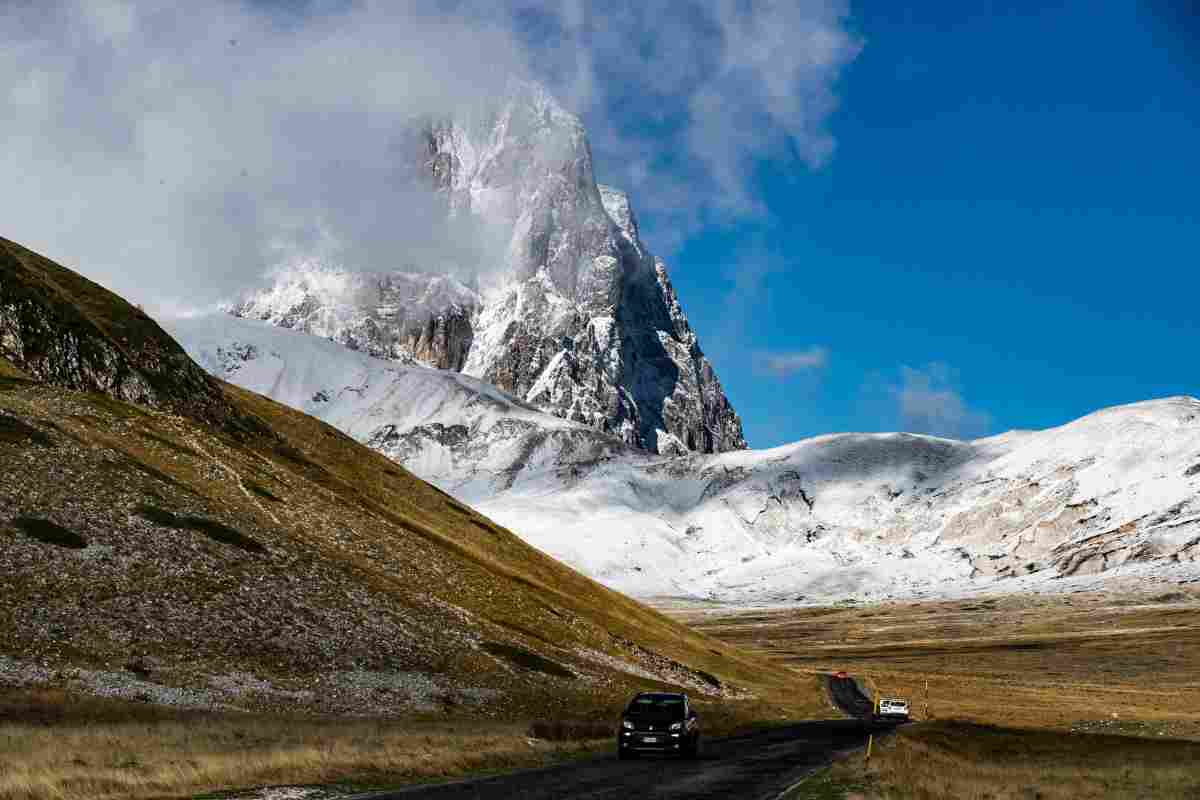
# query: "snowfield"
1114,495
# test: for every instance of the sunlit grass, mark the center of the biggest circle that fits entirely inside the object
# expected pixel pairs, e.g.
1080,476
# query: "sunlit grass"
947,759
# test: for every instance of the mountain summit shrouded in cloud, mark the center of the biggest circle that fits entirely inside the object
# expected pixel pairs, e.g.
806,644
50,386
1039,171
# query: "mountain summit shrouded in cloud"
179,151
574,315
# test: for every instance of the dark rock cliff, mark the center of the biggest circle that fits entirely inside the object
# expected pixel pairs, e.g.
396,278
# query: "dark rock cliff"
62,329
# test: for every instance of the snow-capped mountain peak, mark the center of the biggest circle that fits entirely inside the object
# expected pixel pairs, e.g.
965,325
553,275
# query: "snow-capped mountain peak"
572,313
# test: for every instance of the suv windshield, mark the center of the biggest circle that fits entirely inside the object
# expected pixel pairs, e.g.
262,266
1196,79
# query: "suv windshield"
656,704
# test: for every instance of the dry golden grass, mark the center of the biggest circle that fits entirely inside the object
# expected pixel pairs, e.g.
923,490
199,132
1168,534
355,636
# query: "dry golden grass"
1054,671
357,526
180,758
55,746
568,731
1083,662
943,759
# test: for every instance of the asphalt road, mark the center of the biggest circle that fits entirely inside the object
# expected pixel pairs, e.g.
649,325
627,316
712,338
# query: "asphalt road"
760,765
845,692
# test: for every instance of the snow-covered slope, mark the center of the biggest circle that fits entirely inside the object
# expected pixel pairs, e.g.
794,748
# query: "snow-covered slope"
1116,493
446,427
876,515
568,309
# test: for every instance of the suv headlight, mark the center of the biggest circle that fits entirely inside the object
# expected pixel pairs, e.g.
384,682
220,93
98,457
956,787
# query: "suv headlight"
626,724
676,726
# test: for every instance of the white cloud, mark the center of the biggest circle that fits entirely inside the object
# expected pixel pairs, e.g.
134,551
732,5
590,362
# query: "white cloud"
176,151
928,401
720,87
783,365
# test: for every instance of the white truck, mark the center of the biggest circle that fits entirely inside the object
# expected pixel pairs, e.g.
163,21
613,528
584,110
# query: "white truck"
893,708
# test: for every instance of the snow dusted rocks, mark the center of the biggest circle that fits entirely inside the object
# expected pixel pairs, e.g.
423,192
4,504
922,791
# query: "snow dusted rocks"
572,314
403,316
1112,496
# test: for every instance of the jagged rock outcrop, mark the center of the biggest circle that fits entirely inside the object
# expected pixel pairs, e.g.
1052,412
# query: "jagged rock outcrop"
400,315
62,329
572,313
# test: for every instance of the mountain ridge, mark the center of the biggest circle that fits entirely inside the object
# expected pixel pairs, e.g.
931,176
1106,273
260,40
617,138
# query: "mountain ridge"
58,327
834,516
568,311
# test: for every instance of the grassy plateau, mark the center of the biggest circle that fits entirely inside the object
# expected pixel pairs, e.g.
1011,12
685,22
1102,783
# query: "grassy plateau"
1053,696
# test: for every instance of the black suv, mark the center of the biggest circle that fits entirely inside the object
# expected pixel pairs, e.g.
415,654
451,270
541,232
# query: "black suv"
659,722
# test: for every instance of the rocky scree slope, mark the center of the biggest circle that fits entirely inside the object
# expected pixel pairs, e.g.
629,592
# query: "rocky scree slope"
155,555
1114,495
570,313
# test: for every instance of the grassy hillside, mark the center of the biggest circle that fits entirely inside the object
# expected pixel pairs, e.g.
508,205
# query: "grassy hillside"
60,328
206,548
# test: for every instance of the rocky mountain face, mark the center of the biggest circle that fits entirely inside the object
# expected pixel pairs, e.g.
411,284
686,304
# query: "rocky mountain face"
403,316
571,313
575,406
62,329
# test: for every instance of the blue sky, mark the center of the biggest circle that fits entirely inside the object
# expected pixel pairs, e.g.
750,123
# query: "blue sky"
1007,236
955,218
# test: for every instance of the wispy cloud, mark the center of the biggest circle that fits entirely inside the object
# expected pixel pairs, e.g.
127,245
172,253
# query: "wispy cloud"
175,152
180,150
929,401
719,87
783,365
